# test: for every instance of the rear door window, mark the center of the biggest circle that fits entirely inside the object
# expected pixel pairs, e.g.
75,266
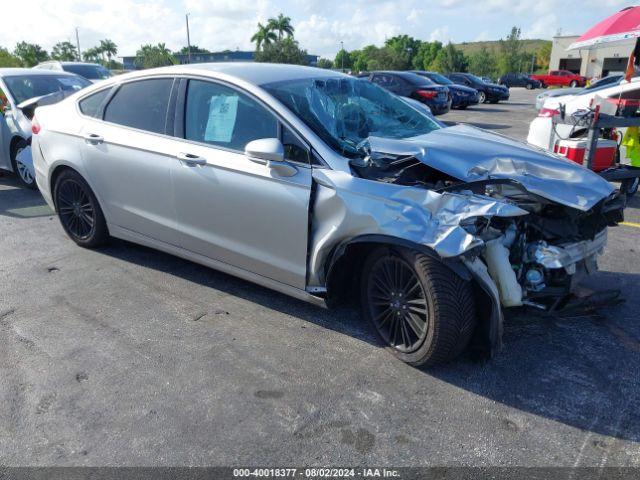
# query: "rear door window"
142,104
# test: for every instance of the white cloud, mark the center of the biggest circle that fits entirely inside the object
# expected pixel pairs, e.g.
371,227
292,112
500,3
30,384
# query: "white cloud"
320,26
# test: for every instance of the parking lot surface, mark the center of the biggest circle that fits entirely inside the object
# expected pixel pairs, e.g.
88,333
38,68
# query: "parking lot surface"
128,356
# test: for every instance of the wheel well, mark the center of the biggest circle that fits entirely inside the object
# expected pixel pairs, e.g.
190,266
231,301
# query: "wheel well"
54,177
343,288
14,145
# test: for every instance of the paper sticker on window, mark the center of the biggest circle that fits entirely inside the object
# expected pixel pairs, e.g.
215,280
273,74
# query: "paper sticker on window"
222,118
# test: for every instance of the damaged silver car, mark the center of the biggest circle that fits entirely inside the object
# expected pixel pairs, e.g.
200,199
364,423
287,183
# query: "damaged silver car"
330,189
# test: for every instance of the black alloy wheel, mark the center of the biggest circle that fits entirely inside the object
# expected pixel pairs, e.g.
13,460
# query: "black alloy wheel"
398,304
79,211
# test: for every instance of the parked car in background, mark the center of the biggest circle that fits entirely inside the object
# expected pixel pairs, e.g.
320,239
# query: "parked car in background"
461,96
19,89
406,84
563,78
567,91
487,92
327,188
93,72
519,80
540,129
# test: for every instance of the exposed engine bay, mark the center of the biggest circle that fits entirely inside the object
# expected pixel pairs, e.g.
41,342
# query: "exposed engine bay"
536,259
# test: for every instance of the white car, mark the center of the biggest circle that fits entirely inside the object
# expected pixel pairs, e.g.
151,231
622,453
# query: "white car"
561,92
540,129
18,86
94,72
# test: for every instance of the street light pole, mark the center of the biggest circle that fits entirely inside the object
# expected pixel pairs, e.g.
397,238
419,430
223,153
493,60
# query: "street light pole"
342,55
78,45
188,39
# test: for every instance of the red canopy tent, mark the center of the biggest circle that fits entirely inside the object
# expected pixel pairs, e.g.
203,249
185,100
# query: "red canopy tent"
619,27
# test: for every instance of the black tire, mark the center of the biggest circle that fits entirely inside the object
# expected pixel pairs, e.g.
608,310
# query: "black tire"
24,176
543,85
79,211
421,292
573,84
482,97
529,86
462,107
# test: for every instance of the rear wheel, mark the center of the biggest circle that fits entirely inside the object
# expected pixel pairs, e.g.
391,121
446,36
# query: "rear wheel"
630,187
79,211
423,312
573,84
482,97
528,86
22,171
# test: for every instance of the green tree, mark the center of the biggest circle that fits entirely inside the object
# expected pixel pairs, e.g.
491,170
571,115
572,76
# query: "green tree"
194,49
286,50
30,54
343,59
7,59
91,55
450,59
151,56
282,25
64,51
264,36
511,52
405,47
543,57
426,55
325,63
483,62
109,48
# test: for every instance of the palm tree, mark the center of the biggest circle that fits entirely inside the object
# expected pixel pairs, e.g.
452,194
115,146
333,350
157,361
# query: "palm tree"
264,36
109,47
282,25
91,55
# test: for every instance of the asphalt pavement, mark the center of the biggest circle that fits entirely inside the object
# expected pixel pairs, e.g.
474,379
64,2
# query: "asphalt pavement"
128,356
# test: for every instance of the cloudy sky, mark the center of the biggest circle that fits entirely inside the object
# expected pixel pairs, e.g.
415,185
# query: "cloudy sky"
320,24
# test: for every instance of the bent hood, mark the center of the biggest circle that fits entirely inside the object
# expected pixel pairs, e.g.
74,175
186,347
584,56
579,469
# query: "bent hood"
471,154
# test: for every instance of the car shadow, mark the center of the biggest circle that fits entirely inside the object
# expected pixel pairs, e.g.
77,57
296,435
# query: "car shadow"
19,202
580,371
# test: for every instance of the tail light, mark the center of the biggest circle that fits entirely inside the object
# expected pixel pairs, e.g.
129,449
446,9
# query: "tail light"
428,94
548,112
35,126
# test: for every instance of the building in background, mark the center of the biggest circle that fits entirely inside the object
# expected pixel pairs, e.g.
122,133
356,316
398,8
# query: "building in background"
596,63
226,56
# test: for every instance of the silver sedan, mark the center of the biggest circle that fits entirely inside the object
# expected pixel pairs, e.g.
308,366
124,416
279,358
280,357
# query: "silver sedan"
329,189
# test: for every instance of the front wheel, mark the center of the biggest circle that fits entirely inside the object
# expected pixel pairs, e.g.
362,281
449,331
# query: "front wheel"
423,312
573,84
482,97
79,211
528,86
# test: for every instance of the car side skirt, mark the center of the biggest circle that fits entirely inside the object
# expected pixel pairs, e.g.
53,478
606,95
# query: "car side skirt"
134,237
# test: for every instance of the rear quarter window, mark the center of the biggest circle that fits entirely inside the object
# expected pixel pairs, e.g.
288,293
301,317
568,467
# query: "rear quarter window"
93,104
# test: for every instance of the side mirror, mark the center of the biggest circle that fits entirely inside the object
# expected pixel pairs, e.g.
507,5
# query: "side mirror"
270,152
265,150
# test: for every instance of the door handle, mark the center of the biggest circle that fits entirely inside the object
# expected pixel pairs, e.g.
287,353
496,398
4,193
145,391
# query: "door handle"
190,159
93,139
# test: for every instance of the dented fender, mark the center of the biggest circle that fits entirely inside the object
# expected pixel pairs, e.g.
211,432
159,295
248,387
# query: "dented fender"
347,207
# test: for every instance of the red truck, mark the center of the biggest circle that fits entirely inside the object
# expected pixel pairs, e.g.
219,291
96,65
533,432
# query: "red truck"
561,77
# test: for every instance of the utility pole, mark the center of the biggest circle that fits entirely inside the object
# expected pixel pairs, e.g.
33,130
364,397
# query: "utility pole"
533,62
78,45
342,55
188,39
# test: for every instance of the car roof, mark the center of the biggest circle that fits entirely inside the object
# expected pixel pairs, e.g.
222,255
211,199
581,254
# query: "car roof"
251,72
9,72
